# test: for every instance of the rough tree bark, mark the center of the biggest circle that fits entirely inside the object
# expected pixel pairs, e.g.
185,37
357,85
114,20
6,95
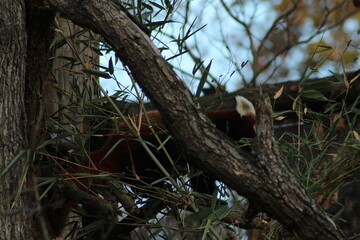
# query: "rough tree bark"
264,179
333,87
15,220
24,43
39,23
40,33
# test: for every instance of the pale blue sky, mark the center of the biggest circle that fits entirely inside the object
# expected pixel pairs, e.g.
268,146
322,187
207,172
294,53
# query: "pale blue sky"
211,48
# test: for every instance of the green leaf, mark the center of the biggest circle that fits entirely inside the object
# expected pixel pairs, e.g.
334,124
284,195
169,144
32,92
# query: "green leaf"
157,5
70,59
111,66
12,163
146,15
147,6
113,147
49,183
323,48
203,79
221,212
160,180
163,143
313,94
196,67
156,24
319,84
199,216
24,173
53,140
337,216
97,73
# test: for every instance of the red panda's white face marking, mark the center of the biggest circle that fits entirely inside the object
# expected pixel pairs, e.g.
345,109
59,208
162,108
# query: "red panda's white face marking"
244,106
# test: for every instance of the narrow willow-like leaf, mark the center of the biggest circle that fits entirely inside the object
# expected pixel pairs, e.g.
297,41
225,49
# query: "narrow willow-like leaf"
111,66
14,161
203,79
97,73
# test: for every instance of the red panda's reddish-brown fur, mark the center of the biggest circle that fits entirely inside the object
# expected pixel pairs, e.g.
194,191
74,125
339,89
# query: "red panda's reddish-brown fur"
130,157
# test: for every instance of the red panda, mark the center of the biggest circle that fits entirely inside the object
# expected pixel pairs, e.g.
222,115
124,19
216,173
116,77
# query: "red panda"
122,153
131,158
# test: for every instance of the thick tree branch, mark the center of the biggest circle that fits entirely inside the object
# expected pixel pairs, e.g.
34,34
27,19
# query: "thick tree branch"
101,206
287,192
265,179
333,88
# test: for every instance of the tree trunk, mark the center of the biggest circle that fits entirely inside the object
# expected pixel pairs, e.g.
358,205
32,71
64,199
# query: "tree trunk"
15,220
269,184
40,33
38,69
66,75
